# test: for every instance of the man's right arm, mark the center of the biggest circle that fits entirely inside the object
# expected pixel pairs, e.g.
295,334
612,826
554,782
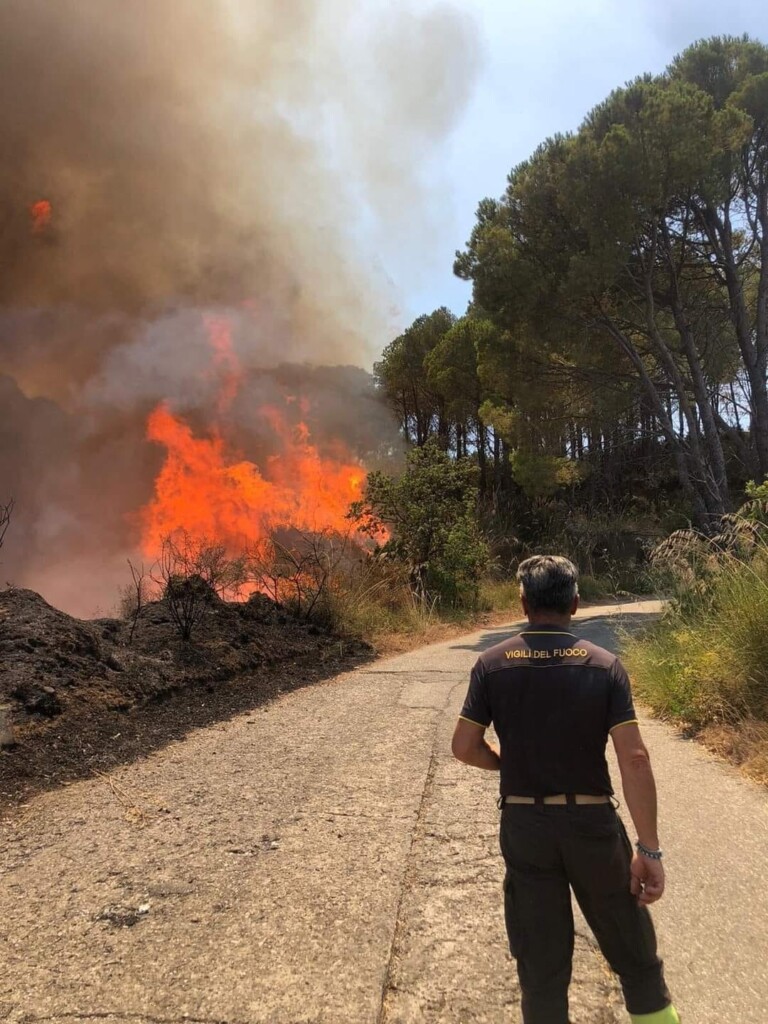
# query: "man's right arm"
637,781
639,788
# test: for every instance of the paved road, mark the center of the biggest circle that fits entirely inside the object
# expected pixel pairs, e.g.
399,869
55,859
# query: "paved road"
325,861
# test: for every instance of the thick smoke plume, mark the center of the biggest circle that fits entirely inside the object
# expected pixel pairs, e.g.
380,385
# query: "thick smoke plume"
166,162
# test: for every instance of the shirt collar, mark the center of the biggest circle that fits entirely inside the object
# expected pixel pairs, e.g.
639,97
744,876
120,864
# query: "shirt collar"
546,627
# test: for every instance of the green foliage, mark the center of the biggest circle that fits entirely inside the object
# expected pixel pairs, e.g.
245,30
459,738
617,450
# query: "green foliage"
451,367
401,375
622,273
503,418
617,340
595,588
500,596
431,513
755,491
541,475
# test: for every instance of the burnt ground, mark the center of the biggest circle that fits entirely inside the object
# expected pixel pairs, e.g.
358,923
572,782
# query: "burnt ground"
85,697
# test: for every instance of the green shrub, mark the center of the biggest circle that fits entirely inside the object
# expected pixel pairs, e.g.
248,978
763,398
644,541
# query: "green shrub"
595,588
429,516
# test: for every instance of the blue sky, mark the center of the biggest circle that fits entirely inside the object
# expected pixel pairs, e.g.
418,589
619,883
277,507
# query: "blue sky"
546,63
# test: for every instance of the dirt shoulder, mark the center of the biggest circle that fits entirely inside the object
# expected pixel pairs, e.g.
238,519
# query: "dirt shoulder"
387,645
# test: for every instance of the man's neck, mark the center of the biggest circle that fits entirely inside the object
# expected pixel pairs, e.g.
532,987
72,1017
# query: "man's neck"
552,621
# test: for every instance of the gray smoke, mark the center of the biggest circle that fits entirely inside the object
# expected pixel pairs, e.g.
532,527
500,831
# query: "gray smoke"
679,23
264,161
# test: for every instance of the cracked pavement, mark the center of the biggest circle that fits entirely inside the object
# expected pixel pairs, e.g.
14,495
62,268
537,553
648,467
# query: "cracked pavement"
323,859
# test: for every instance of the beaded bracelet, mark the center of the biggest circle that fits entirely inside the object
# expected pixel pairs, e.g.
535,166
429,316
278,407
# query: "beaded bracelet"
651,854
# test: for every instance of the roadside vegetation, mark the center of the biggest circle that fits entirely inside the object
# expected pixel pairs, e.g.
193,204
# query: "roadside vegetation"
705,663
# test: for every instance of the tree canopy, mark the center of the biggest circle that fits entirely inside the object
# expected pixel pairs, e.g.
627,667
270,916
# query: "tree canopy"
610,373
624,272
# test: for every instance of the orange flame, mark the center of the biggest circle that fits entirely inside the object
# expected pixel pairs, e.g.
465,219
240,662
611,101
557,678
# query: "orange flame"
212,492
205,489
41,213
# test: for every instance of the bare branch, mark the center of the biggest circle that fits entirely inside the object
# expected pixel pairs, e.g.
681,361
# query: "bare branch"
136,594
5,518
299,571
192,574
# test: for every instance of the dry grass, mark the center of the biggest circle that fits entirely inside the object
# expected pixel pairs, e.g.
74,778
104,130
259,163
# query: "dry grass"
389,644
744,744
374,601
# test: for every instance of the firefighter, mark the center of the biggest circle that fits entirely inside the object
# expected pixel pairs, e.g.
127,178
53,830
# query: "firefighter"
553,700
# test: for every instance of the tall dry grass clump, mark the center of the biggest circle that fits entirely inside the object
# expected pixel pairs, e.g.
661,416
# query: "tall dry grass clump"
374,599
331,580
705,662
370,598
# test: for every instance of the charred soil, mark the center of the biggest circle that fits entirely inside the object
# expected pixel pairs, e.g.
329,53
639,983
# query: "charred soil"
83,697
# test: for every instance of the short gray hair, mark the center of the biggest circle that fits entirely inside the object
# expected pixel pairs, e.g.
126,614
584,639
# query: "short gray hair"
549,583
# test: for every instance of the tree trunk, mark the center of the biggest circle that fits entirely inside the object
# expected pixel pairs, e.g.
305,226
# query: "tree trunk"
482,456
506,469
718,477
754,353
691,483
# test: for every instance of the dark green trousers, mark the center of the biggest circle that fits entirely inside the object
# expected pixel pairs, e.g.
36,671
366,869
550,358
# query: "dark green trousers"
550,850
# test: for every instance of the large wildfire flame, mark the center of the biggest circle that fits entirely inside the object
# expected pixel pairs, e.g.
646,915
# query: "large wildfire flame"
211,492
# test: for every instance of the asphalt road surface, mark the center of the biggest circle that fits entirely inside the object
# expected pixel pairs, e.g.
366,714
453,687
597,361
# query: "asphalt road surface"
324,860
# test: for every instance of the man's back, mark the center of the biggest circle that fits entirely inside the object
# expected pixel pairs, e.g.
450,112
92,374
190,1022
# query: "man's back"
552,698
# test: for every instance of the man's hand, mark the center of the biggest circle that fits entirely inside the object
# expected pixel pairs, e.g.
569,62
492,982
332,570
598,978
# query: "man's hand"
647,879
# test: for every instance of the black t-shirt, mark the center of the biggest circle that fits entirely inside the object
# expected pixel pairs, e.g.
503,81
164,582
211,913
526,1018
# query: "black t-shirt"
552,699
